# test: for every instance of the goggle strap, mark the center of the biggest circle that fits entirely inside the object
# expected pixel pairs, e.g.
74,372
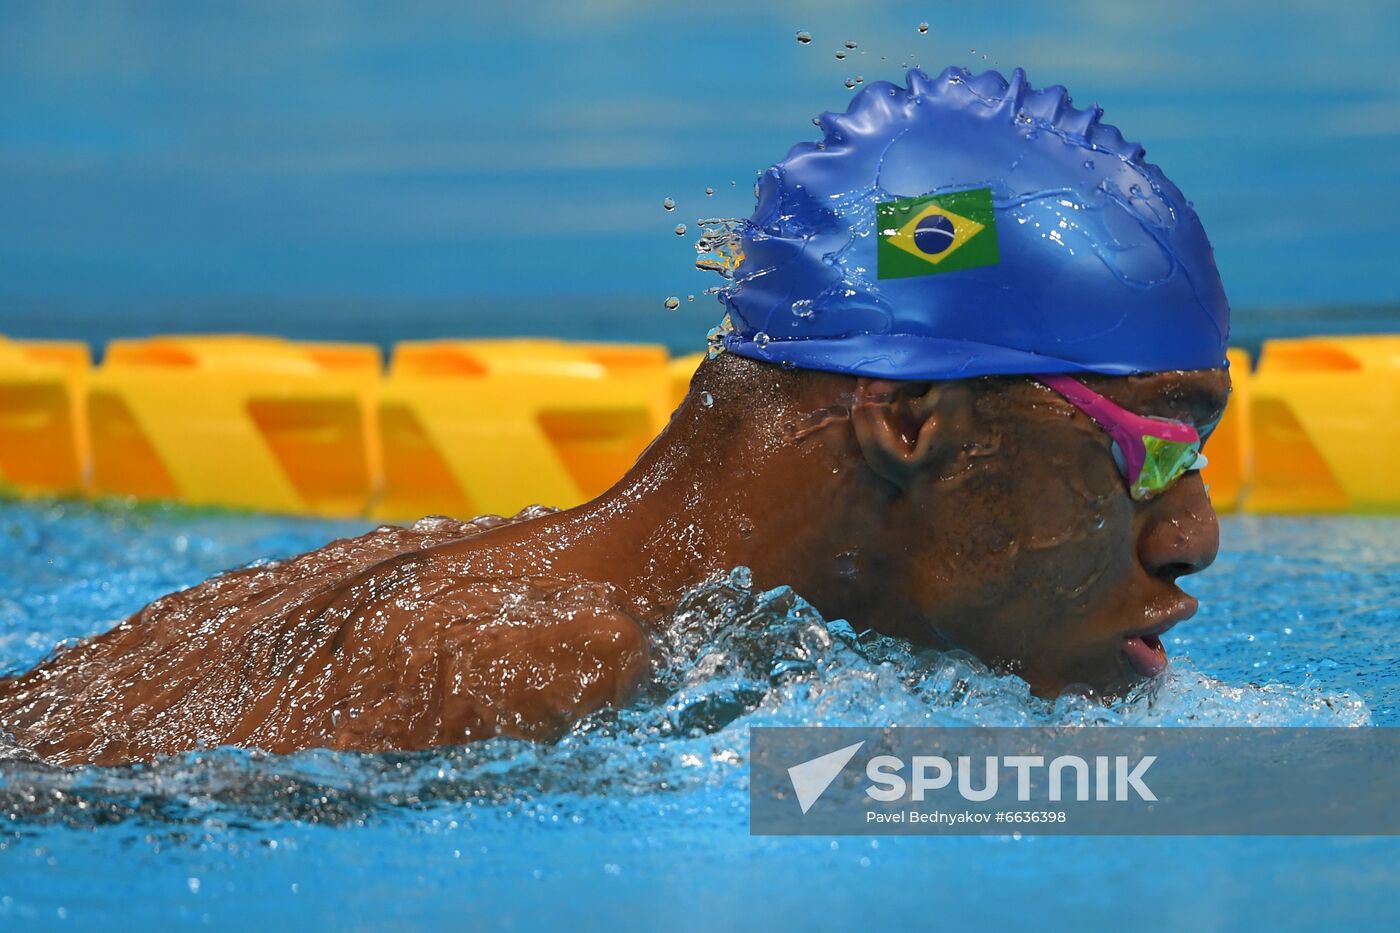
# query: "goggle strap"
1109,416
1127,430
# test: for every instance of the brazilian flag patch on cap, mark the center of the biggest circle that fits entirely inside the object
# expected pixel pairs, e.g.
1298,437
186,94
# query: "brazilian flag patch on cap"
936,233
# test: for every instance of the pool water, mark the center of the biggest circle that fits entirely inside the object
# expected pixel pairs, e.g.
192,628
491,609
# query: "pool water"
640,816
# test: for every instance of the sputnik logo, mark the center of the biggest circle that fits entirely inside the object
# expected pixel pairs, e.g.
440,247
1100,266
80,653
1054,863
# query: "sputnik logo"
811,778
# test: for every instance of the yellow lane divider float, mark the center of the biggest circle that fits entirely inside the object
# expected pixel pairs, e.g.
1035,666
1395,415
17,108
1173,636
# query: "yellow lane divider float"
477,426
1325,419
464,427
252,422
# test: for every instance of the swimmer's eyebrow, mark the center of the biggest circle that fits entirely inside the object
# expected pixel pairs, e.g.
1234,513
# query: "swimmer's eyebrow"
1198,405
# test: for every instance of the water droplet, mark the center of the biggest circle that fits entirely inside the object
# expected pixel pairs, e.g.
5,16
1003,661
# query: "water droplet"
689,297
1135,190
669,204
816,121
709,192
733,183
840,56
707,400
672,303
1089,164
850,43
761,340
973,51
789,365
804,37
860,79
680,229
923,29
802,307
850,82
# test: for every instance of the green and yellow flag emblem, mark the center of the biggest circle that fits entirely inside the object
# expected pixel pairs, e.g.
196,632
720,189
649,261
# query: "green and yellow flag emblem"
936,233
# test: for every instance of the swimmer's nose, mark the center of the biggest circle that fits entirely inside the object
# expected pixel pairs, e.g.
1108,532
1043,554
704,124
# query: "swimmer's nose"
1181,534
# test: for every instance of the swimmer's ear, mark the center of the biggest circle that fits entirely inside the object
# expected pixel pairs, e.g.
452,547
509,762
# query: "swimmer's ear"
908,428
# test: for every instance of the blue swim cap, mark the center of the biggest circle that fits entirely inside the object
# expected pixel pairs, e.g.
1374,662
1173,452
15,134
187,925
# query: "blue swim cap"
970,226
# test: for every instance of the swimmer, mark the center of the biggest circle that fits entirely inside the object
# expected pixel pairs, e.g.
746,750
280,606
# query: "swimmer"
973,343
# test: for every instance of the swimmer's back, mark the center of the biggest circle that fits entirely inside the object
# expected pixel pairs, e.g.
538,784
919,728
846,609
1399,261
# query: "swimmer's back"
389,640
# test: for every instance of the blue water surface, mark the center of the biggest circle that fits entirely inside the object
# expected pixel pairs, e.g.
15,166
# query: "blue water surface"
638,818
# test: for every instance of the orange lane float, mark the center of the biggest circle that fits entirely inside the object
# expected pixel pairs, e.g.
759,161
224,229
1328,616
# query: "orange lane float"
43,428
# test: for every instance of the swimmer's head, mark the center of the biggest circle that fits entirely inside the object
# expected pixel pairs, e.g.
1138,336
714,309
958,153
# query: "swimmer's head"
966,226
912,274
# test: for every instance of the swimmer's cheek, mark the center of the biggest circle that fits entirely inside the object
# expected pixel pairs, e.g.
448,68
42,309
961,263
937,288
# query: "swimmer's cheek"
534,681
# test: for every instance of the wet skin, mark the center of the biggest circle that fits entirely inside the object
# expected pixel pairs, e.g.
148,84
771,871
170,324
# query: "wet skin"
986,515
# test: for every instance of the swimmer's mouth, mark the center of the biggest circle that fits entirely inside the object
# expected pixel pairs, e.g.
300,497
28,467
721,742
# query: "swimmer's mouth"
1143,648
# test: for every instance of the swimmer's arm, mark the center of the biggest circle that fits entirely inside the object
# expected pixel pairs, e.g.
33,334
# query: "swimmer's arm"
540,679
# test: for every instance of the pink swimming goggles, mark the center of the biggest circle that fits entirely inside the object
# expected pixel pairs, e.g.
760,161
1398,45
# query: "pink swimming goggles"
1152,453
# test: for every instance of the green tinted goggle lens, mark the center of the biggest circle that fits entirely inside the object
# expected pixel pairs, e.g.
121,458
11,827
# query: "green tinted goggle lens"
1164,464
